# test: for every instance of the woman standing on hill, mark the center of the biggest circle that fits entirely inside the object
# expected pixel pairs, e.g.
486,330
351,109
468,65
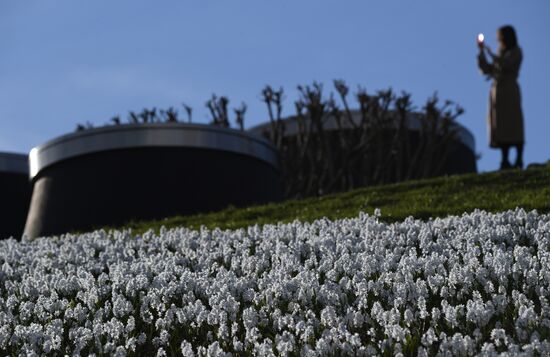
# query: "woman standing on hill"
505,119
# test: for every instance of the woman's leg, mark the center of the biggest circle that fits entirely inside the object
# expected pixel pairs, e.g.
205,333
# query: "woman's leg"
519,157
505,164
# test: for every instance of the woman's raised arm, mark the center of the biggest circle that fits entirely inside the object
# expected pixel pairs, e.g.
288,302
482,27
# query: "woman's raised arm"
484,65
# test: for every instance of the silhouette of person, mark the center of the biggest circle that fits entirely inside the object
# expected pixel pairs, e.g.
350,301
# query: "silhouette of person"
505,118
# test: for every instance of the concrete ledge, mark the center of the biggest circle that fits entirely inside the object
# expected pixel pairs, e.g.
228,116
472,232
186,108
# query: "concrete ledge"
127,136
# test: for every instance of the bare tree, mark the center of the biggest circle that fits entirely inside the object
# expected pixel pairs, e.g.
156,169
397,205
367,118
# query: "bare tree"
171,115
239,114
133,117
189,112
218,110
115,120
274,102
376,145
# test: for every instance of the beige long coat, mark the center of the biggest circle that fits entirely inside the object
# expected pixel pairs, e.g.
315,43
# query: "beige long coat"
505,119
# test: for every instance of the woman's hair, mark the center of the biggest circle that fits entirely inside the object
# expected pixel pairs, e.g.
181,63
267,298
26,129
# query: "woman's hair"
508,37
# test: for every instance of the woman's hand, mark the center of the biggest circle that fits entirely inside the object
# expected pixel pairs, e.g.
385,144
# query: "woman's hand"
481,45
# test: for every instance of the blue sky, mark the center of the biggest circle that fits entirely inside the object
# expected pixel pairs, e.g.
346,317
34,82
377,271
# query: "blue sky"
65,62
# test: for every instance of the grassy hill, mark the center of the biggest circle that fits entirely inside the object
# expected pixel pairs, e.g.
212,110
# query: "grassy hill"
438,197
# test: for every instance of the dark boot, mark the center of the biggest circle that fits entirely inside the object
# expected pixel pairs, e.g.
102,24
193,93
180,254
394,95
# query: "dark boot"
505,165
519,157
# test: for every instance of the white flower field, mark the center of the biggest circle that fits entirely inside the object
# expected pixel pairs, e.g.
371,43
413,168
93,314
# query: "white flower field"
474,284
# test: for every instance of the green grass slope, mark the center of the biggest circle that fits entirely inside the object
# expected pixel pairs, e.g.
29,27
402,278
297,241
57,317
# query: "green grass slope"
438,197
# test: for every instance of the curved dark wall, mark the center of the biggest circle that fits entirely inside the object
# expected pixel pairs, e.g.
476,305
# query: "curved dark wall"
116,186
461,159
15,193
